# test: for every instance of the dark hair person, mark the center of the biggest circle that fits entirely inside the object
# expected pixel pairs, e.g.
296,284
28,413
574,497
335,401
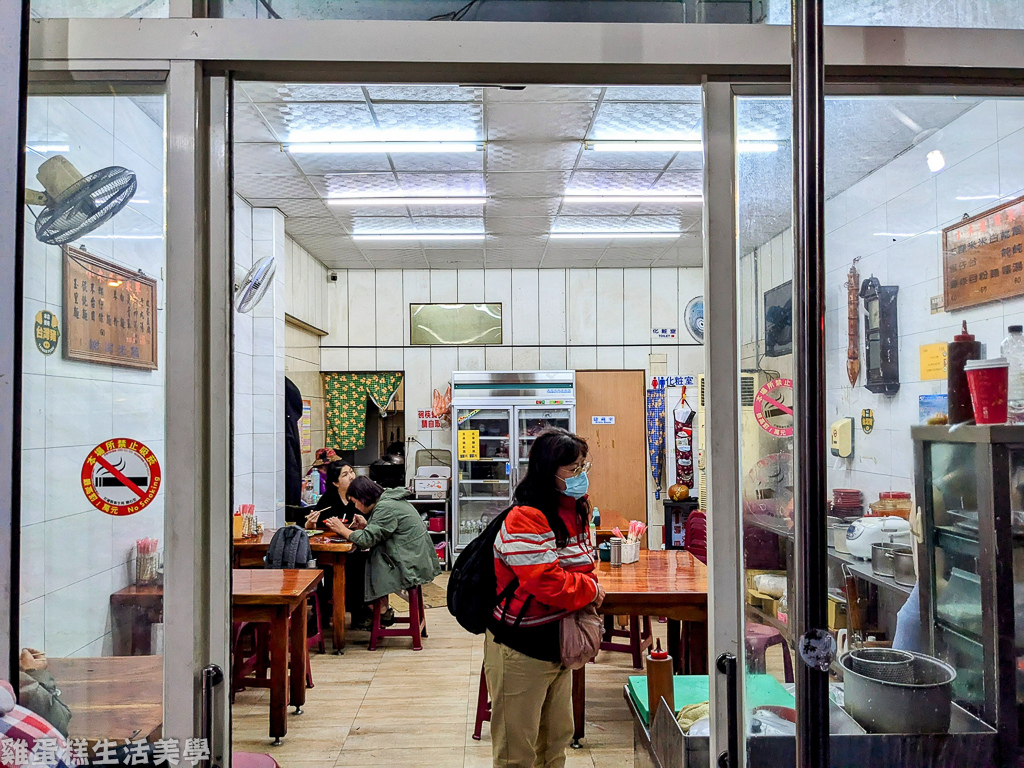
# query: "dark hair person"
544,543
334,502
401,552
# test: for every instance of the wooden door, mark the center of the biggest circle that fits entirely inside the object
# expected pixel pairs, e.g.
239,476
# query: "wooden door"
618,481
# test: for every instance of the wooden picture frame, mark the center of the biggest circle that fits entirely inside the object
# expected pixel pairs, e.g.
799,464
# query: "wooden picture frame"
983,257
110,312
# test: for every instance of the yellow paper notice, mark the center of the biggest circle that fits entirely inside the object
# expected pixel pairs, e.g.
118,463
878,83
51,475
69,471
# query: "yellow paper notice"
933,361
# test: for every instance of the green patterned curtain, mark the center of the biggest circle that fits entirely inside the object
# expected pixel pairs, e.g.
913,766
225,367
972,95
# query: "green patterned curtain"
345,395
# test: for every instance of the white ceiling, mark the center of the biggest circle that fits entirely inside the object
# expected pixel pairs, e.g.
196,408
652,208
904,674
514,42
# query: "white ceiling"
533,155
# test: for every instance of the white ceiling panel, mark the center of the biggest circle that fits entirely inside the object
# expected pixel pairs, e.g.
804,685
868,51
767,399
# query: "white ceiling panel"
262,158
317,121
249,126
527,184
566,260
507,156
448,223
687,161
454,183
311,226
682,182
608,182
443,93
516,242
286,92
448,258
687,212
394,258
690,93
628,161
323,164
515,225
589,223
523,206
292,207
542,94
355,184
255,185
625,250
647,121
437,121
431,163
595,209
538,122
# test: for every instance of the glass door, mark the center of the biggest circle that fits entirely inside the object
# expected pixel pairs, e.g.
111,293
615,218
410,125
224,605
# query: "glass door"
530,422
484,482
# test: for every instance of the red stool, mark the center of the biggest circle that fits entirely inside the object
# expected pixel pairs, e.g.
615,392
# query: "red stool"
483,705
758,639
252,760
639,640
316,640
416,621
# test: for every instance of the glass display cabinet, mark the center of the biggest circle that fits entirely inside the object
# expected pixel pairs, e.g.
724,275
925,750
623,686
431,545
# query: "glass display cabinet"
970,498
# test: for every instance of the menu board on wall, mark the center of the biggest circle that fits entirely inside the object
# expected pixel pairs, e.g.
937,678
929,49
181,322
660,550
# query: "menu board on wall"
306,427
983,257
109,312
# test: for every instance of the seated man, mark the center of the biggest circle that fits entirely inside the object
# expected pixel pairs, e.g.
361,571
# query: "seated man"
401,552
23,731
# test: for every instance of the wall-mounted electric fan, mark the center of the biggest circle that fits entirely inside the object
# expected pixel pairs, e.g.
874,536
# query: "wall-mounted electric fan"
253,287
74,205
693,316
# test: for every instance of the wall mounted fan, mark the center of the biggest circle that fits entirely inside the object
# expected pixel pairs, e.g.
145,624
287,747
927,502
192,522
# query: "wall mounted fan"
693,316
73,204
253,287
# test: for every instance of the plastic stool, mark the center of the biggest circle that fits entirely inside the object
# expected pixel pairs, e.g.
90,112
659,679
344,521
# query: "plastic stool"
483,705
252,760
639,640
316,640
416,621
758,638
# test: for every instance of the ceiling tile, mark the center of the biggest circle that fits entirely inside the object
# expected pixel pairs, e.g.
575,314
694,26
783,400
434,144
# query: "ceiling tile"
690,93
322,164
355,184
687,161
312,226
248,125
569,260
607,182
534,225
523,206
447,183
645,121
589,223
532,156
397,259
542,94
262,158
446,258
287,92
318,121
421,162
291,207
687,212
538,122
434,121
629,161
444,93
527,184
681,182
254,185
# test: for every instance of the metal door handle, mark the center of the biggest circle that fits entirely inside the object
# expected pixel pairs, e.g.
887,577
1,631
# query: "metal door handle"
726,664
212,677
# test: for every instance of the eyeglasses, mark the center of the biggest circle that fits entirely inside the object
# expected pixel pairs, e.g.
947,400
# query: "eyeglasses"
584,467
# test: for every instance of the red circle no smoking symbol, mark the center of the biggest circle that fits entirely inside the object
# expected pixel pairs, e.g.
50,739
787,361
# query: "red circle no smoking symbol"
121,476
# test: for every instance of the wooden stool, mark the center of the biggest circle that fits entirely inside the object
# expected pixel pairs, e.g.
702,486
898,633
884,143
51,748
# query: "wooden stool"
483,705
639,640
416,621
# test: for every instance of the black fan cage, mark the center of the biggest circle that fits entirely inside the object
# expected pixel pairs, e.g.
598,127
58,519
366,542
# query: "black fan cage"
85,205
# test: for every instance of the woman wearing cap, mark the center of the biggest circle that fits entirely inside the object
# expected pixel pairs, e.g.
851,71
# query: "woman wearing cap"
324,458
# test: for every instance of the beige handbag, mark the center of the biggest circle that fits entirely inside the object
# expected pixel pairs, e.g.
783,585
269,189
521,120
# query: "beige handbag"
580,634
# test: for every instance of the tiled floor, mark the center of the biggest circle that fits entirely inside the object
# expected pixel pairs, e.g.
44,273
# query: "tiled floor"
396,707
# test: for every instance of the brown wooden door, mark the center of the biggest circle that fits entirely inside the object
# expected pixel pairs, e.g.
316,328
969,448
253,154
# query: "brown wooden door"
618,481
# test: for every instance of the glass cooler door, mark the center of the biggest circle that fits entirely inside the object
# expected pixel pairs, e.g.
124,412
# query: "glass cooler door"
484,482
530,422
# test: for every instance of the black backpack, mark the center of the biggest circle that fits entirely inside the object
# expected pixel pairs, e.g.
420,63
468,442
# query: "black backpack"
289,548
472,584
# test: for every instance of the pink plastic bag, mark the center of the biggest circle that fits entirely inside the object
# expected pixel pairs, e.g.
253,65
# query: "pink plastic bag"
580,637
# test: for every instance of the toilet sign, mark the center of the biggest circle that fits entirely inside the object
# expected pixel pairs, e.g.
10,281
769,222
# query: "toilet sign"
121,477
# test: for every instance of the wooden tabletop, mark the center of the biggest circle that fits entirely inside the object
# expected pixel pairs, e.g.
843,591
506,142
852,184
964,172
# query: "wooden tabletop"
658,578
138,594
113,697
269,586
318,543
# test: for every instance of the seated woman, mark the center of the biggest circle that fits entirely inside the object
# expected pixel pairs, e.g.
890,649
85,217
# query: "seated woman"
334,501
401,552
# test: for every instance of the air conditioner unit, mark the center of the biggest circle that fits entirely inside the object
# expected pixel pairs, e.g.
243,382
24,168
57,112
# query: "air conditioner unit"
755,443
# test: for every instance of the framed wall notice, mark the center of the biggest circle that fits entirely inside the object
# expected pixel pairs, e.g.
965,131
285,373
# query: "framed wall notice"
109,312
983,257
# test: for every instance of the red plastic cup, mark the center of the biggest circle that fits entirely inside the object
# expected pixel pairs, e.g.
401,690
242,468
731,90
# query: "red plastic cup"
988,381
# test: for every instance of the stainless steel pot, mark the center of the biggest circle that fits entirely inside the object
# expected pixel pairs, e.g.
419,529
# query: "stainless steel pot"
903,568
839,537
882,557
922,706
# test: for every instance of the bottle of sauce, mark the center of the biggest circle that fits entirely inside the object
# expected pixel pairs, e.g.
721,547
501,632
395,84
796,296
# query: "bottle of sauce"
964,347
659,680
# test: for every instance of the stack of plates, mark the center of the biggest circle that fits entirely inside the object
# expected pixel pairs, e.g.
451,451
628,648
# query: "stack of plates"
847,502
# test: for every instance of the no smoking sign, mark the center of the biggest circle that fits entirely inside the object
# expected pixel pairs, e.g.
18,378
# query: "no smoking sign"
121,476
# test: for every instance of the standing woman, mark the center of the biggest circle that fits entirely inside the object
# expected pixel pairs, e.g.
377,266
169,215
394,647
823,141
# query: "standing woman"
544,543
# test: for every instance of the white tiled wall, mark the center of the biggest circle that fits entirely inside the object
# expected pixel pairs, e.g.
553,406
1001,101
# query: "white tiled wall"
259,362
72,555
305,282
893,220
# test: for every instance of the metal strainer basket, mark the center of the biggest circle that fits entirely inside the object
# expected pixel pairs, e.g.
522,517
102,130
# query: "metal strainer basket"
883,664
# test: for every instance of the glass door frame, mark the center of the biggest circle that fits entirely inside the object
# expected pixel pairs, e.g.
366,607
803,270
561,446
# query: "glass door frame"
201,55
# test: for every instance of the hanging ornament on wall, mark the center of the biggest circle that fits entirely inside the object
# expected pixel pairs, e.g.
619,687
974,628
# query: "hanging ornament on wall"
853,320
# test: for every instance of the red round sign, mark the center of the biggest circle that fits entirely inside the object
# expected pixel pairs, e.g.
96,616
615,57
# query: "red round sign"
771,410
121,476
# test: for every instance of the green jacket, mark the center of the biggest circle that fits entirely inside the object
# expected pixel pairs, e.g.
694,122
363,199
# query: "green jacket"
401,552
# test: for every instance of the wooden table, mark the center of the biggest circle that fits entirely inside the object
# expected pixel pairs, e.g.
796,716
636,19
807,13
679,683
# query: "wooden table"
278,596
113,697
670,583
330,553
135,609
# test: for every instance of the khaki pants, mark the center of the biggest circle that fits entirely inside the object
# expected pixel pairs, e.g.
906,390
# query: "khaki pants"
531,708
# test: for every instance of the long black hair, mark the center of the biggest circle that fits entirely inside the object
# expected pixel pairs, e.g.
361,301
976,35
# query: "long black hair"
554,448
365,491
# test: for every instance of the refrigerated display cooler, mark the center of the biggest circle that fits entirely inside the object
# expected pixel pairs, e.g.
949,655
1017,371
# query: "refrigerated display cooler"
508,409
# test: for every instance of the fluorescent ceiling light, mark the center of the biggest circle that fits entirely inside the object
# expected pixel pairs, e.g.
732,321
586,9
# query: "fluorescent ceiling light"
674,146
644,146
572,197
370,147
615,235
978,197
424,236
121,237
414,200
48,148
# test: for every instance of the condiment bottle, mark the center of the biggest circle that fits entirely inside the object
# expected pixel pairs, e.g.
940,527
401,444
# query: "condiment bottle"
659,680
963,348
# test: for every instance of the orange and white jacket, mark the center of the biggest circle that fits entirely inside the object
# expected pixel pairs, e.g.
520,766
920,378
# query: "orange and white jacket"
560,579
